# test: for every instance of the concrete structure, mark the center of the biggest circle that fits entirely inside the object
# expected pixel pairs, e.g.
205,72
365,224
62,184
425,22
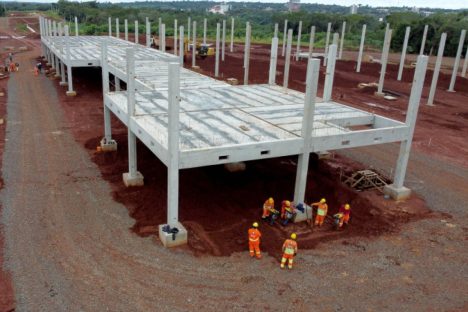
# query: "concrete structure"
194,43
148,33
175,37
435,76
248,32
311,41
457,61
273,61
299,33
403,53
361,48
204,31
465,64
330,73
285,31
343,31
287,61
223,41
189,24
383,61
189,120
423,42
218,30
232,35
117,28
126,29
136,32
327,42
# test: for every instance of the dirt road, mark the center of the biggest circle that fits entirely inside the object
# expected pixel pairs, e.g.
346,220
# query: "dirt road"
69,247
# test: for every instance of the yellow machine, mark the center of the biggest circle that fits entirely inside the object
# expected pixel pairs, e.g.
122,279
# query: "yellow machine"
202,50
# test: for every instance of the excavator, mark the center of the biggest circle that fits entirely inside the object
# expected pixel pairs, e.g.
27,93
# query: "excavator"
202,50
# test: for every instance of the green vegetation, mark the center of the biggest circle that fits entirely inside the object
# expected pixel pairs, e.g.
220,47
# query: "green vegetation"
93,19
21,27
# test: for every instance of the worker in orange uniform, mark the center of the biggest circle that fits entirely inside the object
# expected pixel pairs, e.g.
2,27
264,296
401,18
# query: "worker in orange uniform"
285,204
268,207
322,209
346,211
254,241
36,71
289,251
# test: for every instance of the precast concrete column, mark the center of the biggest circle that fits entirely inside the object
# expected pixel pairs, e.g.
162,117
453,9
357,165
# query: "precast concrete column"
435,76
403,53
299,33
159,27
204,31
136,32
361,48
162,38
70,91
287,60
175,37
336,39
148,33
194,43
397,190
126,29
76,27
465,64
117,83
311,41
188,29
173,145
117,28
218,29
328,85
232,35
313,69
105,91
223,41
110,26
327,42
132,177
285,31
385,50
273,61
181,46
275,34
423,42
457,61
343,31
247,53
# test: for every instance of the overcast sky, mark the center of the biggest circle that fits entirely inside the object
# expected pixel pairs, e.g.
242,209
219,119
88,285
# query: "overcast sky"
448,4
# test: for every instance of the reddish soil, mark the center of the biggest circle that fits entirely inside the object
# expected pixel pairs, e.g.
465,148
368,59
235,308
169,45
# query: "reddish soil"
217,207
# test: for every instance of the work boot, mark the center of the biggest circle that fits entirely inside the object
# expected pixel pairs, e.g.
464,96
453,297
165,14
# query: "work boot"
282,265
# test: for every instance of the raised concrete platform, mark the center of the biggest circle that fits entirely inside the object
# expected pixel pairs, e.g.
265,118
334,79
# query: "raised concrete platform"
108,146
172,240
397,193
138,180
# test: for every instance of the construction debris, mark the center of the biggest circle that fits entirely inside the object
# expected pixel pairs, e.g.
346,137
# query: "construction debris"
365,180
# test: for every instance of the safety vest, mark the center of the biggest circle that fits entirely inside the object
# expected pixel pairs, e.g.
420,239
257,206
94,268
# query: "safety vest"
322,209
290,247
254,235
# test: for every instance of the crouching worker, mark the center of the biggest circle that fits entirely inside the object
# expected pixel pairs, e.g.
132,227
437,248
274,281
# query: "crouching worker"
289,251
346,211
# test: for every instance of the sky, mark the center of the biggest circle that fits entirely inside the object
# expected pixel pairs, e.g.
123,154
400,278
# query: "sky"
447,4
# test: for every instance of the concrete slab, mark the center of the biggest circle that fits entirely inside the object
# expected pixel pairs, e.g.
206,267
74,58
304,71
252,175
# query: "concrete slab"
173,240
397,193
138,180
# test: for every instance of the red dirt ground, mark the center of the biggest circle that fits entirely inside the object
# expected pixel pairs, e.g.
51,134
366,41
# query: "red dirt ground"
217,207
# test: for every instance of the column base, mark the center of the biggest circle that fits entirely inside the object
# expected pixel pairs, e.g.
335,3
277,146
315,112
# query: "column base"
451,91
108,145
400,193
63,84
324,155
303,216
137,180
57,76
173,240
381,94
71,93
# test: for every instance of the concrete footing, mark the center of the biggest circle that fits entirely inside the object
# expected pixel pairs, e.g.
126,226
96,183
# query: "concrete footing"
381,94
137,180
324,155
71,93
63,84
57,76
172,240
397,193
108,145
303,216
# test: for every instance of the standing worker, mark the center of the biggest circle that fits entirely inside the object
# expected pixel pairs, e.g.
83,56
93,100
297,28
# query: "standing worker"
346,211
268,207
254,241
322,209
289,251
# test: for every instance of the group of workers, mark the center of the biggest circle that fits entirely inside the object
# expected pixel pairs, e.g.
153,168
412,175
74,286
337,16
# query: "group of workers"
11,66
287,213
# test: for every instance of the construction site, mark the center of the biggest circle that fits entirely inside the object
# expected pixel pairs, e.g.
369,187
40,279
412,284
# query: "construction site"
134,165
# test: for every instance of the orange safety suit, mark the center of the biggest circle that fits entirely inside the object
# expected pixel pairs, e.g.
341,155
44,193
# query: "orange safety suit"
289,251
322,209
267,209
283,208
254,242
346,215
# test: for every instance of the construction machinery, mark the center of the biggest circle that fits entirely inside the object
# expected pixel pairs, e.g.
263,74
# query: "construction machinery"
202,50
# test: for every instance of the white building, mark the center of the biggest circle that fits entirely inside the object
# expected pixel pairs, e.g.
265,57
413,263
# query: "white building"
354,9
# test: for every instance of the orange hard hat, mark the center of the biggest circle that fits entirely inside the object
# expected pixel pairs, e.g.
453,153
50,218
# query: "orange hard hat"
287,203
293,236
270,200
323,200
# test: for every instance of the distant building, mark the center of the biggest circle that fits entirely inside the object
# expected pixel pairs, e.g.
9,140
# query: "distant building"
294,5
354,9
415,9
220,8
